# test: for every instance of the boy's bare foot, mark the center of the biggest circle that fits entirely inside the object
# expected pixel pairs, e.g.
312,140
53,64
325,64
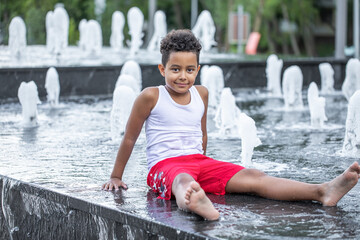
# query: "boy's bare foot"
338,187
197,202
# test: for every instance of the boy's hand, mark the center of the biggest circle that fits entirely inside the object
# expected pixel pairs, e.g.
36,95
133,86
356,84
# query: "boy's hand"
114,183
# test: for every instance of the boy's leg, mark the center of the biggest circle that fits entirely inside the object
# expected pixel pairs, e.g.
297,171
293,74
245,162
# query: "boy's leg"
191,197
329,193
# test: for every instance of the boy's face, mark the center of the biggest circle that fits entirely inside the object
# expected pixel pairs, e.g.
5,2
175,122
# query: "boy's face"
180,71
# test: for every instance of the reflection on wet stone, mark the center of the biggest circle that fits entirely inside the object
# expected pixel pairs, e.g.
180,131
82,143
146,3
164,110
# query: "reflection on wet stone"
69,168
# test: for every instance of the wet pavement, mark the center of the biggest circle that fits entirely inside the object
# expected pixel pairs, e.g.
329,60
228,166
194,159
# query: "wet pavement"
71,154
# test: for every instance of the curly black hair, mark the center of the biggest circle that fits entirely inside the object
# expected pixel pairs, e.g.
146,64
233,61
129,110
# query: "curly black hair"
182,40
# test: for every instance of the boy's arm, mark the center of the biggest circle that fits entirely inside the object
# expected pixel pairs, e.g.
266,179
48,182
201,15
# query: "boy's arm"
204,95
141,109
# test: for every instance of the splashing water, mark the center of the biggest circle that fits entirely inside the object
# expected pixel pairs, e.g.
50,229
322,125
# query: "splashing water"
351,145
212,78
91,39
316,106
204,30
227,114
123,100
29,98
133,69
81,162
273,75
327,78
249,138
352,79
52,86
135,21
160,31
17,37
61,29
117,26
292,86
129,81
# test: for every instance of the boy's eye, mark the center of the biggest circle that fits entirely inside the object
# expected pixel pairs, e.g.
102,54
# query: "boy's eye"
175,69
191,70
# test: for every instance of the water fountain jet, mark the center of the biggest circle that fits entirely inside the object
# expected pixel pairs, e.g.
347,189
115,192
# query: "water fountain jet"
50,31
17,37
227,114
129,81
82,34
60,22
91,39
231,122
327,78
351,146
29,99
273,75
204,29
133,69
123,100
249,138
135,21
212,78
292,88
52,86
316,106
117,26
159,32
352,79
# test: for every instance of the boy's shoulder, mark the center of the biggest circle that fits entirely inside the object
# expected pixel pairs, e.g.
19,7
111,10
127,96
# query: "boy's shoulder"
150,94
147,99
200,87
150,90
202,90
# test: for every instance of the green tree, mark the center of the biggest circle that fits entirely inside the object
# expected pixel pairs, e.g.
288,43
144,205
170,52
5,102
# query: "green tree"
266,16
35,26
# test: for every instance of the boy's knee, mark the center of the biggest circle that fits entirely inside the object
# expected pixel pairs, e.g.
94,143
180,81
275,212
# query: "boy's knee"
255,173
182,179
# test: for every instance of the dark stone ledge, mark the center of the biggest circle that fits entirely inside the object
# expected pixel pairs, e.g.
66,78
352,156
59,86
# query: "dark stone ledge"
32,212
102,79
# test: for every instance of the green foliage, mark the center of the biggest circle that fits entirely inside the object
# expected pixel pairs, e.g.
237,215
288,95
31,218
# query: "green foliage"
106,24
35,26
34,12
73,32
168,9
178,14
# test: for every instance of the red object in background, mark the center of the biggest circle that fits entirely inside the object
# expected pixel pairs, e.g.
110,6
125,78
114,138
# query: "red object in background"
252,43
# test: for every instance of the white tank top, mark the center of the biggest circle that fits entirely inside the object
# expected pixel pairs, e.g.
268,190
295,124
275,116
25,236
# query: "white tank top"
173,129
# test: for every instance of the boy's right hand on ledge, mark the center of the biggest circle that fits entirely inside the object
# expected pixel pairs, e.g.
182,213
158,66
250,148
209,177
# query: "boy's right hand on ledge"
114,183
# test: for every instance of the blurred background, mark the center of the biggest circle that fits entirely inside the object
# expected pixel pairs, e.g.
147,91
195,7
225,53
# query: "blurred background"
305,28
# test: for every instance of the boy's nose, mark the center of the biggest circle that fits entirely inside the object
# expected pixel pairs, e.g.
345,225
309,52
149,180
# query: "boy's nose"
182,75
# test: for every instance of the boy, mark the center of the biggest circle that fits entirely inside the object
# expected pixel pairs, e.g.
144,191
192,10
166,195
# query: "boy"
175,116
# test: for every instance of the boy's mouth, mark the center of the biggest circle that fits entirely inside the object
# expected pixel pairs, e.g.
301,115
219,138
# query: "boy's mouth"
181,84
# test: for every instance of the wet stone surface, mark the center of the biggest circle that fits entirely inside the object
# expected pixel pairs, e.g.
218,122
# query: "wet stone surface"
70,155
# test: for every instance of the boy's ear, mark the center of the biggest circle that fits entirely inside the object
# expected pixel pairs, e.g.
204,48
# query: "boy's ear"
161,69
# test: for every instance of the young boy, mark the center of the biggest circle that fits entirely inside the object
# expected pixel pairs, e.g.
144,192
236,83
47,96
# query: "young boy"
175,116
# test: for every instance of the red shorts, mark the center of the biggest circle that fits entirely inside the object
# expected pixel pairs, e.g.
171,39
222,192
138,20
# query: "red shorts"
211,174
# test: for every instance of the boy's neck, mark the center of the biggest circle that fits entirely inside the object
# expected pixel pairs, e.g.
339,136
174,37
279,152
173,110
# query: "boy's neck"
179,98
